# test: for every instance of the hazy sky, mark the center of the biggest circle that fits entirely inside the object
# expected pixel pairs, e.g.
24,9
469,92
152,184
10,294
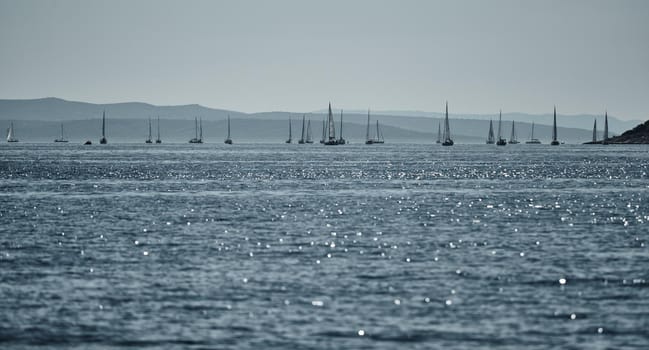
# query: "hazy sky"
524,56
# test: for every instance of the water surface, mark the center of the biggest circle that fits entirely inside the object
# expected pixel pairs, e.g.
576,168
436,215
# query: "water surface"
314,247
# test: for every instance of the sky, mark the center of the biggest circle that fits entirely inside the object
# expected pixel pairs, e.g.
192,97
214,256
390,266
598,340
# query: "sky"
584,56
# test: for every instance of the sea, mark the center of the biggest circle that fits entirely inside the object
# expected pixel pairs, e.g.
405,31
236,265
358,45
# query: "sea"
276,246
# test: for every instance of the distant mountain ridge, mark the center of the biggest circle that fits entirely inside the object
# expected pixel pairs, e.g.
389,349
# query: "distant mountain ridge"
580,121
52,108
129,117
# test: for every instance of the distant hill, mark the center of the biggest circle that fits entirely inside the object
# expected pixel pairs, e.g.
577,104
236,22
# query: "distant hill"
580,121
38,120
61,110
637,135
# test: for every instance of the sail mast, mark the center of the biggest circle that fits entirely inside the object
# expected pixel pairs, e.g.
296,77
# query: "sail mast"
532,138
103,140
228,126
367,133
158,139
341,124
303,128
554,125
512,137
447,127
447,130
605,125
200,128
500,118
595,131
149,129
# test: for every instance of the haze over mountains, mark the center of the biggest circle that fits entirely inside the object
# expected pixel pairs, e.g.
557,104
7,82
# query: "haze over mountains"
37,120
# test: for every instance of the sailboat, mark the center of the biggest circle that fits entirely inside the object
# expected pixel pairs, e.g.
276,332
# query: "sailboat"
490,137
308,132
554,142
439,133
149,139
10,133
322,140
103,139
302,139
158,140
341,140
290,131
447,130
331,135
605,140
532,139
61,139
501,141
228,140
513,139
595,131
379,134
198,138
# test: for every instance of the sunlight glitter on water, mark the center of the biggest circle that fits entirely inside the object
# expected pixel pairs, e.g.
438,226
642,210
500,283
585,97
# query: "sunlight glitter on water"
376,245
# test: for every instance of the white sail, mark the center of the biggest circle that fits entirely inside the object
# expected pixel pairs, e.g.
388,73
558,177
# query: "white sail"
513,139
302,139
10,133
149,139
308,132
331,130
332,126
490,135
447,140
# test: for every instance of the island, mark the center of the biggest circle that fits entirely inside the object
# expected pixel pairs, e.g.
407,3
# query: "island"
637,135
